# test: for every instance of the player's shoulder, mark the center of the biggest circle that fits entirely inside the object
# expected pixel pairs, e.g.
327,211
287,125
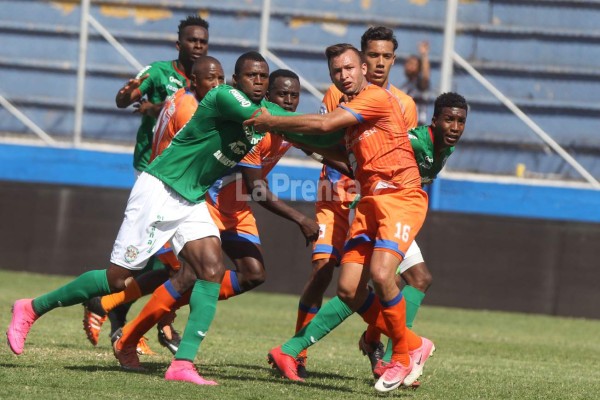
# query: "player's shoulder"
420,133
400,94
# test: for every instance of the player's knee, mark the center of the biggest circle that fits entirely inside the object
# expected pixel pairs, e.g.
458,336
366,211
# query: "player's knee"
347,295
418,277
117,278
254,279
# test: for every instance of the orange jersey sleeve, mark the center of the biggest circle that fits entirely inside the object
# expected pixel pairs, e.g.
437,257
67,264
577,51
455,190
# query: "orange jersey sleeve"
378,146
176,112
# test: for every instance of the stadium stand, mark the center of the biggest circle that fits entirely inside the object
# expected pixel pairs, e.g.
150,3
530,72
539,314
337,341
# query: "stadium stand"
543,54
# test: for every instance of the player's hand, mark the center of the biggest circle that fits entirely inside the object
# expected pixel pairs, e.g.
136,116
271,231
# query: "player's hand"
133,84
310,230
423,48
144,107
260,120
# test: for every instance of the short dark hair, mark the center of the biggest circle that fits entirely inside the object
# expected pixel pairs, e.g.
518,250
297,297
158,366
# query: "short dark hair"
340,48
449,100
378,33
192,20
282,73
250,55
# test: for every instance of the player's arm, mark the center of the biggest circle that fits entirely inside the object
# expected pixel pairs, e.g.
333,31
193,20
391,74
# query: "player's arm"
310,124
425,67
259,191
130,93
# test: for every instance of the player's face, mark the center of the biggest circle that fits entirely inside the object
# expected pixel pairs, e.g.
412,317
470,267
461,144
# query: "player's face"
192,44
253,79
379,56
448,126
285,92
206,77
347,72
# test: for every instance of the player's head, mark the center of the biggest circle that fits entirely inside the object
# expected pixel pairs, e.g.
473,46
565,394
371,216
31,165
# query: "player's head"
207,73
251,75
284,89
347,68
378,44
449,119
192,39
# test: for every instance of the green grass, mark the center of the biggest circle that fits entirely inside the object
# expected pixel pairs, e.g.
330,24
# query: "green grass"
480,355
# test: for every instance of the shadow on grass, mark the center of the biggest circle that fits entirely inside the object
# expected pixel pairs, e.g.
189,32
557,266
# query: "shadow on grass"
220,371
152,368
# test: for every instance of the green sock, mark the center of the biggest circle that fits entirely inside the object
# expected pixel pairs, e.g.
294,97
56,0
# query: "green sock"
333,313
414,298
85,286
203,305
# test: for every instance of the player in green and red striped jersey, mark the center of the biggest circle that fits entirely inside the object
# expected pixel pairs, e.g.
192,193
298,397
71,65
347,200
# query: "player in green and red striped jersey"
148,91
167,203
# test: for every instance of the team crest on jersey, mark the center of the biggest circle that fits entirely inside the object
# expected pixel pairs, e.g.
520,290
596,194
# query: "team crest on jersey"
131,253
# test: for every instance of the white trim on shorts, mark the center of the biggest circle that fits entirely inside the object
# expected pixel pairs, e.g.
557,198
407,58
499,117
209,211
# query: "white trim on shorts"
156,214
413,257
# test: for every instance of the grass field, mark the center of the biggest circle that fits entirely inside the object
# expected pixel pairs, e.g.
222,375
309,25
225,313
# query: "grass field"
480,355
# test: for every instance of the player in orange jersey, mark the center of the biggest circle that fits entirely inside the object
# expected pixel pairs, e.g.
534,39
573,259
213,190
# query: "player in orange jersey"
388,217
378,44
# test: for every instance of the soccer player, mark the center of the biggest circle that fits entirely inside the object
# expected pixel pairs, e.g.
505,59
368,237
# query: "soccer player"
227,199
378,44
432,144
388,217
156,82
206,74
167,204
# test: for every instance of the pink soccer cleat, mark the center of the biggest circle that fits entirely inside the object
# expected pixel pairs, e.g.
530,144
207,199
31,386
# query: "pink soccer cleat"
23,318
418,357
394,374
181,370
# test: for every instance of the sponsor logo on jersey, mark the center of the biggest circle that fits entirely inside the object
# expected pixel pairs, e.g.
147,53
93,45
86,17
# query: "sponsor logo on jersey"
175,80
172,88
223,159
244,102
131,253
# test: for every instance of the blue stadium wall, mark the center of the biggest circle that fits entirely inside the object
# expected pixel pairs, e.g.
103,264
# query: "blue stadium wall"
491,245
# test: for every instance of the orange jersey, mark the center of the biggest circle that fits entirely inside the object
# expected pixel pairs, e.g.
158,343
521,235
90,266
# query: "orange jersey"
229,192
378,146
176,112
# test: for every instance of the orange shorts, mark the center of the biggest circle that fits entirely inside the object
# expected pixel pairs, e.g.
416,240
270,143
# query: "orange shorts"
333,218
236,225
167,256
388,222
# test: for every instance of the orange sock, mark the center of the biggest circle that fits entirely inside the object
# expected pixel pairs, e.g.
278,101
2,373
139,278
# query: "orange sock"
371,313
160,303
131,292
394,313
305,315
229,285
414,341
